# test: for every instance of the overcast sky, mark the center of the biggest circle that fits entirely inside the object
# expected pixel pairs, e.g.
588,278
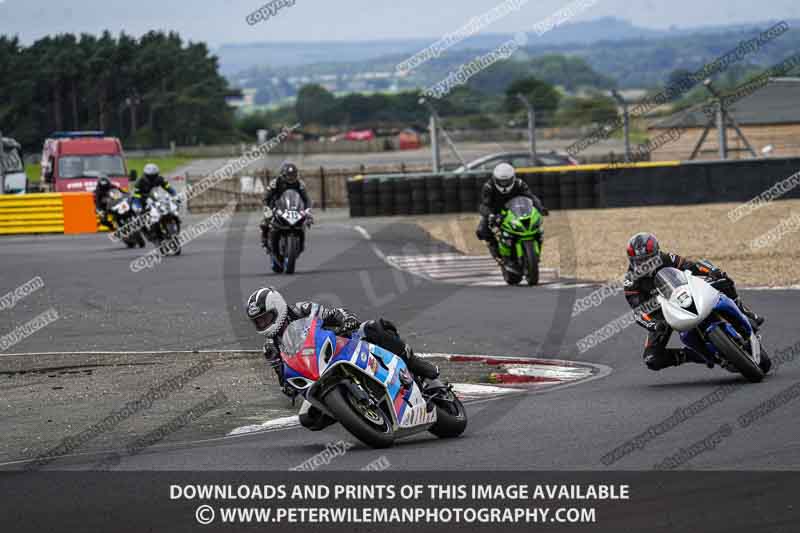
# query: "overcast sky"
223,21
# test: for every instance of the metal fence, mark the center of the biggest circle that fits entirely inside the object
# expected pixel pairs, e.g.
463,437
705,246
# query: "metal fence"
327,187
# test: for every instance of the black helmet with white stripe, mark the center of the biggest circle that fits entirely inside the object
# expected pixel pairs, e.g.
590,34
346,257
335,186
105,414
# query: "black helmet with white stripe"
269,312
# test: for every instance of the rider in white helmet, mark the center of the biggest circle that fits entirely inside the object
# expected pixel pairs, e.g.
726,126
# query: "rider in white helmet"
151,178
270,314
503,186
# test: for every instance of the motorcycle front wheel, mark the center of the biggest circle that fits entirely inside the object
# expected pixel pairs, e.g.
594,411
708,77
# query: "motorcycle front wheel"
292,251
531,263
367,423
735,355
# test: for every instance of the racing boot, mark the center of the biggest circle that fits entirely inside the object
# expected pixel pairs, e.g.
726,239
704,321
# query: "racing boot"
313,419
682,356
419,366
755,320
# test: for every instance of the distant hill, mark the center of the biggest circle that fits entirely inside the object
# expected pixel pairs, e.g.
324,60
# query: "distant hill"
235,58
599,54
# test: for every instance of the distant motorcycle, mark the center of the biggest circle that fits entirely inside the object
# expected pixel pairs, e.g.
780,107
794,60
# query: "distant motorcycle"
165,223
366,388
119,213
709,322
290,219
519,239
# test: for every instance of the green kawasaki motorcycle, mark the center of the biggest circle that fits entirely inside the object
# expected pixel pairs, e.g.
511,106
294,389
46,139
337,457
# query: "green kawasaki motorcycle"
519,237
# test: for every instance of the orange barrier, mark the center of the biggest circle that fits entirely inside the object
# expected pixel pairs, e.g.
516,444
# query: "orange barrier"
68,213
79,213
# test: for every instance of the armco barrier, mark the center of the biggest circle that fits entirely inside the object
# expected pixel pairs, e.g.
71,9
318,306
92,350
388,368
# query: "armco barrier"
577,187
68,213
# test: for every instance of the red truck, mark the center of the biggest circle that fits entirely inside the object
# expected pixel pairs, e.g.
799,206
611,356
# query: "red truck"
72,161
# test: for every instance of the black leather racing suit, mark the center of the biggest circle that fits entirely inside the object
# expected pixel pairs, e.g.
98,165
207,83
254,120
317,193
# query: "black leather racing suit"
344,323
640,290
275,189
493,201
101,203
145,185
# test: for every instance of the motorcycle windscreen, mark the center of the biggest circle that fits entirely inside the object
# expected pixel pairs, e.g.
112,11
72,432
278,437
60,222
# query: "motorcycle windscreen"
521,206
291,201
298,349
668,280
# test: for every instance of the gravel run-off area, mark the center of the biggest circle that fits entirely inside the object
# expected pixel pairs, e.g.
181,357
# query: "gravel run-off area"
590,244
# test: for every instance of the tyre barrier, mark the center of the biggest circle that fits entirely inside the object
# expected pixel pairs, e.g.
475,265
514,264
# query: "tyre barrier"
577,187
68,213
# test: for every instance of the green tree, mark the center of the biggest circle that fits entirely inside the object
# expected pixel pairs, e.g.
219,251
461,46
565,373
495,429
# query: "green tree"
544,97
584,111
314,104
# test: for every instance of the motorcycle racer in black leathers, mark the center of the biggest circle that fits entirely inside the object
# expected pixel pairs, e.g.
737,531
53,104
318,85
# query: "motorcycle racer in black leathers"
270,314
287,179
101,201
496,192
645,260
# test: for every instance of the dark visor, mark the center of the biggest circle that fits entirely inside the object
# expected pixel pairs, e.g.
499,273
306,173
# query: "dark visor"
264,321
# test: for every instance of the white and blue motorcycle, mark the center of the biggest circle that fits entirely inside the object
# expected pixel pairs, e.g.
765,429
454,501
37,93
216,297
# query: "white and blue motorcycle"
368,389
709,323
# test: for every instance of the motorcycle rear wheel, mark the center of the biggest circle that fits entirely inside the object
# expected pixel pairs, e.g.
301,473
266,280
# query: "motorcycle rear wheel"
451,418
735,355
370,425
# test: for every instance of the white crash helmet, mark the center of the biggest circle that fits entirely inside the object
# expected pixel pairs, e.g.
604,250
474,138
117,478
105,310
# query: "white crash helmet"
151,169
269,312
503,177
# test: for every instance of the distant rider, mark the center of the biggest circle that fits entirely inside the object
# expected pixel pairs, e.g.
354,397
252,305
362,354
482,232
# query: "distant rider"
102,190
645,259
270,314
150,180
496,192
288,178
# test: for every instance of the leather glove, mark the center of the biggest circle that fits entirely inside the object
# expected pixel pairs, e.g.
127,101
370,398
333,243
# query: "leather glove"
351,324
660,327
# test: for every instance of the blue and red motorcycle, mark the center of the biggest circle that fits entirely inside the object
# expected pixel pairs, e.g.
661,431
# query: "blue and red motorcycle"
366,388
